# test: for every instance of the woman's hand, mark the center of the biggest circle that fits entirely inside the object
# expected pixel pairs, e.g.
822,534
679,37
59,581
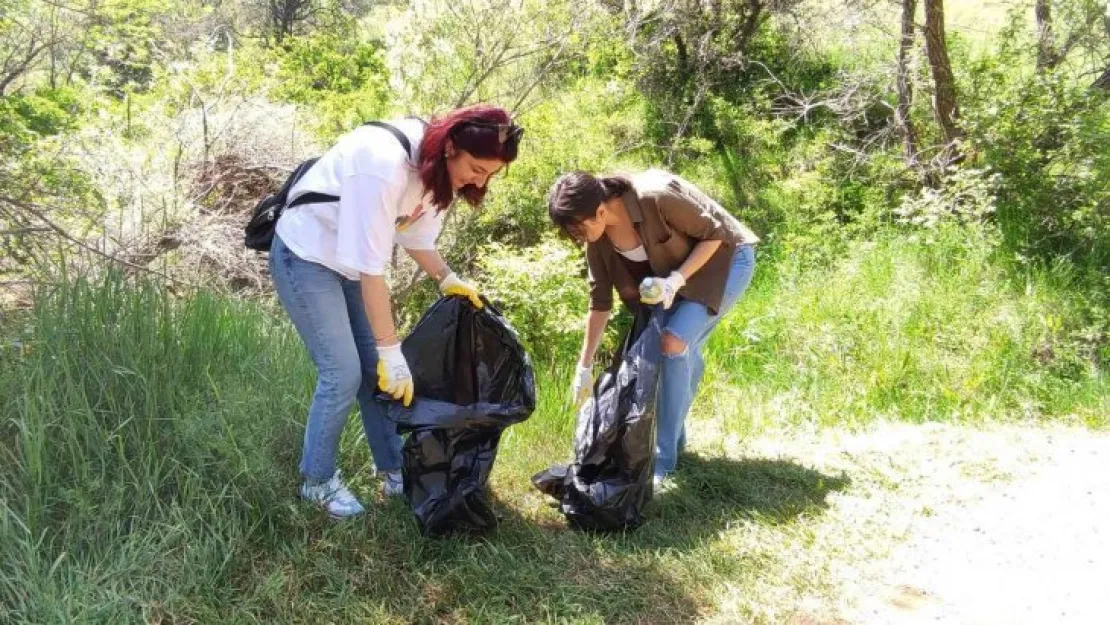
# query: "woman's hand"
449,283
582,385
662,290
453,285
394,376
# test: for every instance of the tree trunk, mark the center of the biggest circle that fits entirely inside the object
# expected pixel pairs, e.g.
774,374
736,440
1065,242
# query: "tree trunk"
53,77
1103,81
947,110
284,15
746,30
682,59
1046,44
905,86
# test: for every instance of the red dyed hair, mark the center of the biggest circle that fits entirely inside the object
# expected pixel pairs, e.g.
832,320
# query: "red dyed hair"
474,129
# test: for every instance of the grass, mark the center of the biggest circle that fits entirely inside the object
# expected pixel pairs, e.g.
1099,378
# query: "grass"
149,449
930,327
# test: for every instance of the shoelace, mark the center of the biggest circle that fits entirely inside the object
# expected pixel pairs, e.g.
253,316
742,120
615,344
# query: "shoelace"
335,489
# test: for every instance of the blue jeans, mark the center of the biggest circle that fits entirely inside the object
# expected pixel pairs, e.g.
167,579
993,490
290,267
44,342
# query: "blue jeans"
328,312
681,373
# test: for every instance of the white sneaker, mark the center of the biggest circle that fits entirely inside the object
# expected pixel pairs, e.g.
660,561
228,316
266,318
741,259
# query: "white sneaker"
394,484
332,496
662,483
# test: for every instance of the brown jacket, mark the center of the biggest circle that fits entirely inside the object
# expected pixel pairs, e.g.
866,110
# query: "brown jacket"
671,216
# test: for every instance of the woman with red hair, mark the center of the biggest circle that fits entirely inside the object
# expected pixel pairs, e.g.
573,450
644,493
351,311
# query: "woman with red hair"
394,184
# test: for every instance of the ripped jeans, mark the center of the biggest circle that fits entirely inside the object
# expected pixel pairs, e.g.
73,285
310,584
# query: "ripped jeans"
692,323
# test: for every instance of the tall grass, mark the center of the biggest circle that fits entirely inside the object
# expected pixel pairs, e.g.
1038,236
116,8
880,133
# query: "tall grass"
149,449
146,440
926,327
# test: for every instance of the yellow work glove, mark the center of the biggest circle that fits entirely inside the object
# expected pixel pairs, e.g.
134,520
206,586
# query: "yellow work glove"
453,285
581,385
394,376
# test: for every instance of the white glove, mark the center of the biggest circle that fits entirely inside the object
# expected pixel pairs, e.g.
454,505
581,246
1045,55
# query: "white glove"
582,385
394,376
661,290
453,285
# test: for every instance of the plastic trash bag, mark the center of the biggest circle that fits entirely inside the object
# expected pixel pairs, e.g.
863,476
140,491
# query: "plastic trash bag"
473,379
610,480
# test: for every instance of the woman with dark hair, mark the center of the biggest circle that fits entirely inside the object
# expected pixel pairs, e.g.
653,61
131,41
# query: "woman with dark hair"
328,261
656,239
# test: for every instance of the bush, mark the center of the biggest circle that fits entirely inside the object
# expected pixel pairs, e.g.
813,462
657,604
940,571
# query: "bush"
968,195
542,291
36,168
1045,135
343,79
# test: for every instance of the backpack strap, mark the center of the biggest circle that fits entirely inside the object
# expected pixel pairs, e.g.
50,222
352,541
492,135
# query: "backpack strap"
307,198
313,197
401,138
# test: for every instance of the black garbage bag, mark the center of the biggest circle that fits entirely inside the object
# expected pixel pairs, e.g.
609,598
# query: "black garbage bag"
610,480
473,379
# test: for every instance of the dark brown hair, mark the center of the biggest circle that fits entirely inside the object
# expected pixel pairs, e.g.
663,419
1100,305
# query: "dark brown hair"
575,197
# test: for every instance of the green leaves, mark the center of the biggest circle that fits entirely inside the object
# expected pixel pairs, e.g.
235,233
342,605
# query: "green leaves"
323,65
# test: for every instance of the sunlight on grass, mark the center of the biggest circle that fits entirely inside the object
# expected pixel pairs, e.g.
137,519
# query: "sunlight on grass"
150,448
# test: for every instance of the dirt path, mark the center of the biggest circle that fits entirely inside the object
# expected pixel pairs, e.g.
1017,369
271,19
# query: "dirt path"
1030,546
955,525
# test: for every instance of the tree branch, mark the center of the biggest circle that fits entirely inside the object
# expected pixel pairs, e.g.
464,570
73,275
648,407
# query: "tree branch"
22,66
61,232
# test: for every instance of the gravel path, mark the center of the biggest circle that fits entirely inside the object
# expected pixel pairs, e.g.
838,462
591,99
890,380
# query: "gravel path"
947,525
1033,549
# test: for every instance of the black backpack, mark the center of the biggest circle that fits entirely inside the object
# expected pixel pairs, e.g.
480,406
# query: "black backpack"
259,232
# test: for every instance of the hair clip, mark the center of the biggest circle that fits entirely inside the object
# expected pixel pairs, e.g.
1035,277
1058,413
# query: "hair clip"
504,131
508,131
